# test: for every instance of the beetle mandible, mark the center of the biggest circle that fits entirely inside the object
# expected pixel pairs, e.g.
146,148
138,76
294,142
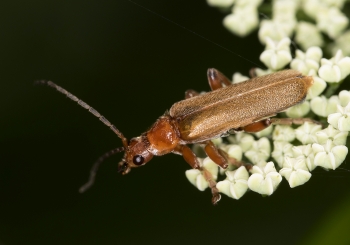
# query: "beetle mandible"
246,106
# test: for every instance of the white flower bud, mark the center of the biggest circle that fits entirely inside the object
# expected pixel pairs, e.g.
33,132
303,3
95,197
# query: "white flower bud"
238,78
235,151
307,35
283,133
306,133
341,43
341,119
304,62
335,69
244,140
323,107
328,155
317,87
299,110
312,7
280,151
260,150
243,21
330,133
220,3
295,171
236,183
307,153
272,30
264,179
332,22
276,54
344,98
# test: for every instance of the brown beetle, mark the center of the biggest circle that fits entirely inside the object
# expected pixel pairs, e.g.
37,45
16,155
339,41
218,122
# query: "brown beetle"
229,107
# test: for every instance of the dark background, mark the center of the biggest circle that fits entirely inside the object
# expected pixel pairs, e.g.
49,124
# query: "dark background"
131,65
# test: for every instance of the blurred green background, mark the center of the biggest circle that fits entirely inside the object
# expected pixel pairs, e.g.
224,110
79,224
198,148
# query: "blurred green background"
131,65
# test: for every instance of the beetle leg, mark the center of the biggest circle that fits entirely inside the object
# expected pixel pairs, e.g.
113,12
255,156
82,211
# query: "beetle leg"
190,93
217,155
260,125
238,164
252,73
192,160
216,79
188,155
257,126
221,158
290,121
212,185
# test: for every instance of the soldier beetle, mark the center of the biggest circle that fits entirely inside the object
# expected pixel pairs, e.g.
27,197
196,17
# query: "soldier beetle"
246,106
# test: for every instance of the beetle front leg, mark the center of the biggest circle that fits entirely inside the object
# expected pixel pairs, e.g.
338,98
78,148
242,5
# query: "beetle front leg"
212,185
188,155
192,160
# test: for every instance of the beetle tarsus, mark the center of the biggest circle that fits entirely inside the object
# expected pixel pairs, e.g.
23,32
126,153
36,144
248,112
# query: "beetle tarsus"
238,164
216,198
212,185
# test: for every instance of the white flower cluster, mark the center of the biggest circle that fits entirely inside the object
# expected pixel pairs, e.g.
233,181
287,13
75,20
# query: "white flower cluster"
326,17
294,151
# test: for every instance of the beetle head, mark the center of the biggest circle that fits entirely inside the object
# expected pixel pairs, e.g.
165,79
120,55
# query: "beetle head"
136,154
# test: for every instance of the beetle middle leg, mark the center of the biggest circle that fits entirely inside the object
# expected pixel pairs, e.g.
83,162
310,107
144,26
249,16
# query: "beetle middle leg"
216,155
221,158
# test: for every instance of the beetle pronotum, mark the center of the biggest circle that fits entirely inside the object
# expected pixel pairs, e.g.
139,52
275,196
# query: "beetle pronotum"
229,107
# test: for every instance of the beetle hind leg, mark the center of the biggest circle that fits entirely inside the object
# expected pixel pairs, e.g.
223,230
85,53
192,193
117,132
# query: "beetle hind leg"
290,121
216,79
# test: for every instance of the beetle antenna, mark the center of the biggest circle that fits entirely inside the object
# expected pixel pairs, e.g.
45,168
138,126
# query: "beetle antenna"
87,107
95,167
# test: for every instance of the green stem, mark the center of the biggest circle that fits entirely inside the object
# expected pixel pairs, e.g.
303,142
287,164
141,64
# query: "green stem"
331,89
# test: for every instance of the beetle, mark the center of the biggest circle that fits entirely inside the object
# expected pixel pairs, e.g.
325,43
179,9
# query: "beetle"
247,106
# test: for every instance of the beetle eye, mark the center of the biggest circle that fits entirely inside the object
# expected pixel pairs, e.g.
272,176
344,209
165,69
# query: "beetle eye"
138,160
